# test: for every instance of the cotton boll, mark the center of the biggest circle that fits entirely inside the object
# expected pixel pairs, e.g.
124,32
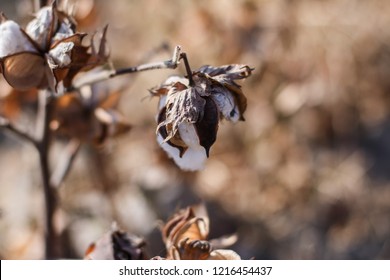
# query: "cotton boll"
193,159
12,39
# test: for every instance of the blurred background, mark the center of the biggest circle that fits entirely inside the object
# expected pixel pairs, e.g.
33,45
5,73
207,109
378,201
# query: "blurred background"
306,176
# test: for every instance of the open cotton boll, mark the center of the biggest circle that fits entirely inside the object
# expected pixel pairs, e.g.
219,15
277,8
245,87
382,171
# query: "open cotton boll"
39,28
193,159
12,39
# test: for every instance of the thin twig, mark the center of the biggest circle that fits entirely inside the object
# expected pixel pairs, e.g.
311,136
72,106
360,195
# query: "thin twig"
188,69
168,64
5,123
108,74
65,162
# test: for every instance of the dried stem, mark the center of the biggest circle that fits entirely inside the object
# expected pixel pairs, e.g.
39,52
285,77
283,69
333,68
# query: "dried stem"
108,74
45,110
41,142
188,69
168,64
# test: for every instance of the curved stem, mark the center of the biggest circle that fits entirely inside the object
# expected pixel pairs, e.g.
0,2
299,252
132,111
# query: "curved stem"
108,74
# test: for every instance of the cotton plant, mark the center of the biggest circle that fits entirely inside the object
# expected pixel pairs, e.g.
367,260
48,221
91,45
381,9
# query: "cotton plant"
50,58
44,58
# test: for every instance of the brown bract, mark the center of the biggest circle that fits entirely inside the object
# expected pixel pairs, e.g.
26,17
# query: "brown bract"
222,86
186,237
46,52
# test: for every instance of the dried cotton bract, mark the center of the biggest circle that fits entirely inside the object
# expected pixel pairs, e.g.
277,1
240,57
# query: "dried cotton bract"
48,51
189,114
185,237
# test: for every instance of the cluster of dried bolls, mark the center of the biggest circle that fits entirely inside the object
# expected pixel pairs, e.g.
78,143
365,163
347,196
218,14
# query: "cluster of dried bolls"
50,52
190,109
47,51
185,237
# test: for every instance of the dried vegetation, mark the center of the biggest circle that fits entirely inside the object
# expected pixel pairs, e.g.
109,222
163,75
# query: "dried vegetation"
306,176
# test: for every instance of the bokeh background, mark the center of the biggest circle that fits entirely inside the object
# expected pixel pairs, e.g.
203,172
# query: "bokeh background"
306,176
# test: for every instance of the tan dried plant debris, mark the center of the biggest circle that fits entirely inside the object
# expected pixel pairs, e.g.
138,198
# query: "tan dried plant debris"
90,115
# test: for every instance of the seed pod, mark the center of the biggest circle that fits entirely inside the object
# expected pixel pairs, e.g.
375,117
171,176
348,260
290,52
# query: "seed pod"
189,115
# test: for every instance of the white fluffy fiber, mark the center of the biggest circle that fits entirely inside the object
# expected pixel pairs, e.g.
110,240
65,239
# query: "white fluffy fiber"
38,28
193,159
12,40
226,105
64,31
61,54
